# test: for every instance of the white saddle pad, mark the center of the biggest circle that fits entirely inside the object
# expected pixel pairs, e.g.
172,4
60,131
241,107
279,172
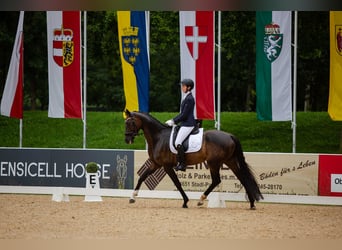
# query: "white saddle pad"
195,142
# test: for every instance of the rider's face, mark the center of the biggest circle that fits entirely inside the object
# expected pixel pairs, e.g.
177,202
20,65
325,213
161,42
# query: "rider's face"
184,88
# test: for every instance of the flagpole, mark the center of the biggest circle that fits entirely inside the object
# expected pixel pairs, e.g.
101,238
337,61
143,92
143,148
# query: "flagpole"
147,18
218,123
84,78
22,73
20,133
294,85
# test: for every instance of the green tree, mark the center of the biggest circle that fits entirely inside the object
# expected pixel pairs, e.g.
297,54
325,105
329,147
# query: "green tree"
35,60
104,75
164,61
238,55
313,61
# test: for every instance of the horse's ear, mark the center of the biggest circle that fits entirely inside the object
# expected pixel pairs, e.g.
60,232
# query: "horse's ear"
127,114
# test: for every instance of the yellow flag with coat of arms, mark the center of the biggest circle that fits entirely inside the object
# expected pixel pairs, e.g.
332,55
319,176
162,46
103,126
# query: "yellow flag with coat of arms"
335,90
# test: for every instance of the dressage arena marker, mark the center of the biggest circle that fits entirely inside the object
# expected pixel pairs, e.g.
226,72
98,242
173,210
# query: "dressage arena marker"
59,195
92,187
215,201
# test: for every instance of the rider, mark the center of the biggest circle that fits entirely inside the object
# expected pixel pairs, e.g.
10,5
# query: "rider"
186,119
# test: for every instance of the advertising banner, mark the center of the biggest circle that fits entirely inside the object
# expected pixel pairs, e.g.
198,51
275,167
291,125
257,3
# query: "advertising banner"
287,174
330,175
65,168
276,173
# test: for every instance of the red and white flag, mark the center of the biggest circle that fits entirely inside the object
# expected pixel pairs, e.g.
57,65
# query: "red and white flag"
12,97
197,58
64,61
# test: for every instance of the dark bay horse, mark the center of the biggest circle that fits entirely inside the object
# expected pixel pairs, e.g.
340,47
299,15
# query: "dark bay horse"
218,148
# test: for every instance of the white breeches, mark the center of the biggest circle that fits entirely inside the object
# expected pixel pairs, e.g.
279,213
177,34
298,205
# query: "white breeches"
182,134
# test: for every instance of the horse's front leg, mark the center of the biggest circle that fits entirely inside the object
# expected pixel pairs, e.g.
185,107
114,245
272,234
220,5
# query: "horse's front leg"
171,173
142,178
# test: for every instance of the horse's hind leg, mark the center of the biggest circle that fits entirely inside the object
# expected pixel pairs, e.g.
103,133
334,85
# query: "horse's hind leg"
143,177
216,180
251,201
175,180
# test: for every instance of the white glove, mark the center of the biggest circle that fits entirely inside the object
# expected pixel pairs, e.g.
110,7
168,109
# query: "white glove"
170,122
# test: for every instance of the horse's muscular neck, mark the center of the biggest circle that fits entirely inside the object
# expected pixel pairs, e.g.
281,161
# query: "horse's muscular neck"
151,133
152,129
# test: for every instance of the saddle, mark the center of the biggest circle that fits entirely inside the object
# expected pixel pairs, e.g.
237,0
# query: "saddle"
192,143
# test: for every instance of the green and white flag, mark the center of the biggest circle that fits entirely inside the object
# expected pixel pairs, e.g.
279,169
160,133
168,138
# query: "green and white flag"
273,65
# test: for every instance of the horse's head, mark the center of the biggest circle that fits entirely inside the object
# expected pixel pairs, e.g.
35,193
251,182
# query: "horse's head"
133,125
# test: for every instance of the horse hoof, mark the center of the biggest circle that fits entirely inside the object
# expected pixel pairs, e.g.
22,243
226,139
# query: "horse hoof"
185,206
200,203
253,208
131,201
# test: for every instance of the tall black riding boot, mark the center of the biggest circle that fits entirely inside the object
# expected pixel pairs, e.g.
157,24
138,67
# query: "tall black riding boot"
180,158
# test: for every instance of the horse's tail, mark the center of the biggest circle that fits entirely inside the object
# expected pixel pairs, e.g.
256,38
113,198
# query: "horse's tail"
245,173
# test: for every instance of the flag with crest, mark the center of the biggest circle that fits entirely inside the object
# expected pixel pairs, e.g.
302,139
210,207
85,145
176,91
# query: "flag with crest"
133,29
64,64
197,58
273,65
335,90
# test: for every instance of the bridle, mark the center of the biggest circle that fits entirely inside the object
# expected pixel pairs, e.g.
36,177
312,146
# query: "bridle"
134,131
